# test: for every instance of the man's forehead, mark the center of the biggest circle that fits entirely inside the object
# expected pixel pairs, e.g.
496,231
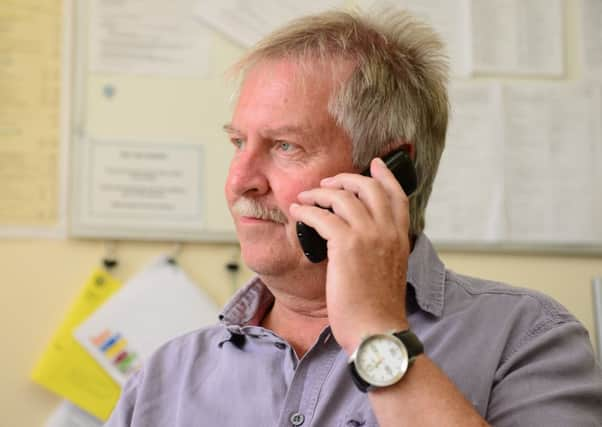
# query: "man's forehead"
282,95
302,74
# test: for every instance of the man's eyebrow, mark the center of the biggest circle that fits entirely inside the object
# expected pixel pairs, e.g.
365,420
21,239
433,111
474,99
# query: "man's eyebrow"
271,132
229,128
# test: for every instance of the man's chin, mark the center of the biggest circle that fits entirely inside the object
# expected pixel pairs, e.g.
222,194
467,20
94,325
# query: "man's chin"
269,258
268,251
265,264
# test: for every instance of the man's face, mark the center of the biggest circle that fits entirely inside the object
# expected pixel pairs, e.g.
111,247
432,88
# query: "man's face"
285,142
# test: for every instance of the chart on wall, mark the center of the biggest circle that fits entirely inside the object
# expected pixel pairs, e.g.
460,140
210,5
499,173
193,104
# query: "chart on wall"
521,167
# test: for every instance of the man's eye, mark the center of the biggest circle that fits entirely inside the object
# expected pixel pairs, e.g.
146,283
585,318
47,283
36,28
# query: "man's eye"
237,142
285,146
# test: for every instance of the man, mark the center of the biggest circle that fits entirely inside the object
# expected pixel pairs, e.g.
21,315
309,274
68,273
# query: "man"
320,101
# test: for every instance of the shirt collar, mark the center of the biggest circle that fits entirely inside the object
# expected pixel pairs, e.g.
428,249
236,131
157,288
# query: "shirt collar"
248,305
426,275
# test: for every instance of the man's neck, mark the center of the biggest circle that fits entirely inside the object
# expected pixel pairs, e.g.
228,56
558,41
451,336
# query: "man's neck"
299,313
299,329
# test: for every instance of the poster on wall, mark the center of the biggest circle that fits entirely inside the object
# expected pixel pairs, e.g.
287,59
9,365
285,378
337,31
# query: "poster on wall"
136,189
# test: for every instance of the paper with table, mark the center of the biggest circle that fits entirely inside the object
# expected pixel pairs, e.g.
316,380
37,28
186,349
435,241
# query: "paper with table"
31,151
495,36
154,306
518,37
148,37
246,22
467,203
553,150
529,171
450,19
591,39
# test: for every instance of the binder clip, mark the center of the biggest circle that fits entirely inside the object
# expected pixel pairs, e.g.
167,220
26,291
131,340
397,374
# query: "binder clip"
172,257
109,261
233,268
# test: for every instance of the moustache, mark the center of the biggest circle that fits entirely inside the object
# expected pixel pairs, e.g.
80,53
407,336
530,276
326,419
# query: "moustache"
252,208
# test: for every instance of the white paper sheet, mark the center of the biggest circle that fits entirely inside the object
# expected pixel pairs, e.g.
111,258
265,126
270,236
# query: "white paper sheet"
246,22
466,203
552,152
153,37
518,36
157,304
141,186
450,19
591,39
69,415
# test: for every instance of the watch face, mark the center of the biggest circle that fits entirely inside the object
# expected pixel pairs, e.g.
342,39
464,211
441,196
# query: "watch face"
381,360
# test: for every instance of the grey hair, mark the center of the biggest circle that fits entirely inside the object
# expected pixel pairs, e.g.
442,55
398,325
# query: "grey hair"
395,94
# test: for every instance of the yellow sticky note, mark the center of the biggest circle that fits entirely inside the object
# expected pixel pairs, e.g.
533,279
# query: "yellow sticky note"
66,368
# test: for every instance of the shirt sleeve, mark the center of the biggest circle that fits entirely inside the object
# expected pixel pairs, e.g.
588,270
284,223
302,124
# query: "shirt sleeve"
550,379
123,412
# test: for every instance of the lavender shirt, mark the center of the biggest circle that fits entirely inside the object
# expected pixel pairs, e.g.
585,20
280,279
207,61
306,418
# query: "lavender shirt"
518,356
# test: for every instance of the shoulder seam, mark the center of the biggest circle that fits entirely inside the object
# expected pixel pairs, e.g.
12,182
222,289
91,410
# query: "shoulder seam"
536,331
549,306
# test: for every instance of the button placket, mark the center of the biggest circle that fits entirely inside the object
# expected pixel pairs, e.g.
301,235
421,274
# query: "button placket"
309,376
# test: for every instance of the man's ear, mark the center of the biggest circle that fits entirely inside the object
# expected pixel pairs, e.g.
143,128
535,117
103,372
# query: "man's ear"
408,147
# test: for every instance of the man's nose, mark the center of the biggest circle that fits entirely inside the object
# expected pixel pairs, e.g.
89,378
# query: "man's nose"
247,174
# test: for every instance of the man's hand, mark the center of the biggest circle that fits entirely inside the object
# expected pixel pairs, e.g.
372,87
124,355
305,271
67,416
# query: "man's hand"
368,249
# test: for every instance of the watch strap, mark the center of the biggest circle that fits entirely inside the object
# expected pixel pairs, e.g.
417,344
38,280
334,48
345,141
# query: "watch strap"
362,385
410,340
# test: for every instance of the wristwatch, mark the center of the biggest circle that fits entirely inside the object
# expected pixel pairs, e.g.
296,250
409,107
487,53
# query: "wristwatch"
382,360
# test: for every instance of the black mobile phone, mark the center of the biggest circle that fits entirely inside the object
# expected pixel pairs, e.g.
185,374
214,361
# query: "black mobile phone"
399,162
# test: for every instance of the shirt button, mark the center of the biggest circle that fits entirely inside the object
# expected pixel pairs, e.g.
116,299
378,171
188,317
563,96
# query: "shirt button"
297,419
280,345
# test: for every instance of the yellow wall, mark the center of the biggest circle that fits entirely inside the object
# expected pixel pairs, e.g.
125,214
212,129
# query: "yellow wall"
41,277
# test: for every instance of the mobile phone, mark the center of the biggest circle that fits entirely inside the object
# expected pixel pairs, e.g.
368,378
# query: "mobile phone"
400,163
